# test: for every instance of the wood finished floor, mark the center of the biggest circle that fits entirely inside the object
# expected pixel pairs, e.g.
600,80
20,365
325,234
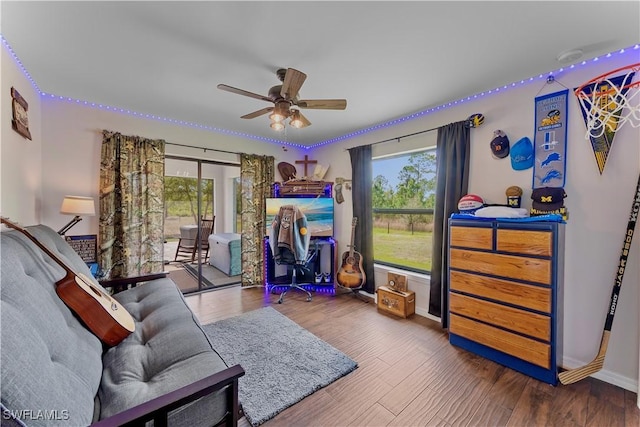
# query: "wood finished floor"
409,374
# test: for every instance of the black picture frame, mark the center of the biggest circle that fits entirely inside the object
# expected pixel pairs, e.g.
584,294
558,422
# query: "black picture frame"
85,245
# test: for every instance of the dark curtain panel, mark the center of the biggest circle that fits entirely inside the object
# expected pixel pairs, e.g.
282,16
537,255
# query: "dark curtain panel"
362,172
451,183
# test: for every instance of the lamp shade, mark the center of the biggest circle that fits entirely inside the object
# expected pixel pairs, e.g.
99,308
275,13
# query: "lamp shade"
77,205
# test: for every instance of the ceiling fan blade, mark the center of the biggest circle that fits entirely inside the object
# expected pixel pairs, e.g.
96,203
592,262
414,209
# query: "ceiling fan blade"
293,80
257,113
304,120
323,104
243,92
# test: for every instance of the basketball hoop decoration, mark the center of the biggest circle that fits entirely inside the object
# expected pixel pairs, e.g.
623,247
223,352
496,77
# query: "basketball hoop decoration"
609,102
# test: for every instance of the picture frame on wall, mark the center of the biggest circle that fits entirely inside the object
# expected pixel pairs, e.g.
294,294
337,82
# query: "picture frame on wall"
20,120
86,246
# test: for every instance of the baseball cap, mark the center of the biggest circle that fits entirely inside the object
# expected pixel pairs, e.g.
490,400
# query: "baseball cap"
500,144
548,198
522,154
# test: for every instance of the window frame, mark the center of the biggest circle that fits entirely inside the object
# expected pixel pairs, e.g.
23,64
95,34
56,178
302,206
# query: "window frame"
398,152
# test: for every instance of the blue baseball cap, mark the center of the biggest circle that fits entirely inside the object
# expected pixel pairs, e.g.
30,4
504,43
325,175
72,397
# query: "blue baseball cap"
522,154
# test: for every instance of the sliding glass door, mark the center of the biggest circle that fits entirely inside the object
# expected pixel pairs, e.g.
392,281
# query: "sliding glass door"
199,202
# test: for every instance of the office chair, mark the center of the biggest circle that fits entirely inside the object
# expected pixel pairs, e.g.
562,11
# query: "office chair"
289,240
296,269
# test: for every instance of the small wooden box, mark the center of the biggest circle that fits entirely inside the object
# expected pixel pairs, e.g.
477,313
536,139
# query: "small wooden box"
303,187
401,304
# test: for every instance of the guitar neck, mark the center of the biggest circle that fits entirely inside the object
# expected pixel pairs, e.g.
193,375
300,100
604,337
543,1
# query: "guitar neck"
40,245
353,236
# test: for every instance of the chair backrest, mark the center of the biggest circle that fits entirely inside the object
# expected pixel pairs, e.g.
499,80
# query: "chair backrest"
206,225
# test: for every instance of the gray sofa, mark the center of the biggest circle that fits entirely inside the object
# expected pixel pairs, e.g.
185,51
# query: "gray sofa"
56,372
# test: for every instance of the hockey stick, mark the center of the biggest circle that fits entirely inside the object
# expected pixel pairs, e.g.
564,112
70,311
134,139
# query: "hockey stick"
573,375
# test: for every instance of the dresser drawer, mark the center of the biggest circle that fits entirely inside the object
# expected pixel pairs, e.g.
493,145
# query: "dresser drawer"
525,242
528,296
524,322
522,347
471,237
514,267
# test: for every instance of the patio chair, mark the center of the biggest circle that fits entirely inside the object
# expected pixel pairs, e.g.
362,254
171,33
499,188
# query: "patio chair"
189,236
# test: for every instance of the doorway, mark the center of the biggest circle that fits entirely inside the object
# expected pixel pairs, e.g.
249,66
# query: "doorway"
197,190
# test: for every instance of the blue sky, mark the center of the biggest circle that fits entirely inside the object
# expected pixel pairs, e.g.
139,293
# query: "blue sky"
390,167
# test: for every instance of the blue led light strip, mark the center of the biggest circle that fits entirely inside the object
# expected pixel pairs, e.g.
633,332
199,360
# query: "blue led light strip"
320,143
470,98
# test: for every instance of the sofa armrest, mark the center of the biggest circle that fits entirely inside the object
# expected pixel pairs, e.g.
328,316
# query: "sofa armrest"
123,283
158,409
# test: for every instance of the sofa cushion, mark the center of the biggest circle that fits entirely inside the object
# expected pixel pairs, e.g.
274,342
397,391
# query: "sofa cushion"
168,350
49,361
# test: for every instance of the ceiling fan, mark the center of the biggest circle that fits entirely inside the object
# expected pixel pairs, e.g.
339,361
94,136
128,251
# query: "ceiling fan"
286,102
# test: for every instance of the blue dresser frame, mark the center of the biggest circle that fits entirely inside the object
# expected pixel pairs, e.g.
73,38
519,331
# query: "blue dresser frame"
556,259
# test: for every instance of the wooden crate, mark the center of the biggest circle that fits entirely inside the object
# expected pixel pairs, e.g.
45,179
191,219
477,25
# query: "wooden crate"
401,304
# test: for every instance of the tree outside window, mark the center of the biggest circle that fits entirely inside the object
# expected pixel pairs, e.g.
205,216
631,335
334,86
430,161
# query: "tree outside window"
403,203
181,202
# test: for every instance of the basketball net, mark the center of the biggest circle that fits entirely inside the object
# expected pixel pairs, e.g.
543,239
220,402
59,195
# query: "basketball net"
608,103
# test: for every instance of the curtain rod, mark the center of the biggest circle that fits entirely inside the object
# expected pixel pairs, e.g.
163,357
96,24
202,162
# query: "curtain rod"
398,138
202,148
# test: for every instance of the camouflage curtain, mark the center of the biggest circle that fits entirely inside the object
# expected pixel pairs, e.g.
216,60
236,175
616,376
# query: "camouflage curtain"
256,176
131,226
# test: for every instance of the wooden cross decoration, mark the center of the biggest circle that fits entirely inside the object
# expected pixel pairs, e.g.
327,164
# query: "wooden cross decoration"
306,162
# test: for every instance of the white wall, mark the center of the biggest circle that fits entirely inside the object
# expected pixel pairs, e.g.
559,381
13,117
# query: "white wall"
598,205
63,158
20,158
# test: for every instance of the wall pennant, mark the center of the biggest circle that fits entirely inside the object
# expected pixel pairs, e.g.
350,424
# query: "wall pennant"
20,121
550,140
606,98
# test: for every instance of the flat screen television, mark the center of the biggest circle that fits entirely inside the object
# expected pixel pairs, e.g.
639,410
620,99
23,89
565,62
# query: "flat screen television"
318,210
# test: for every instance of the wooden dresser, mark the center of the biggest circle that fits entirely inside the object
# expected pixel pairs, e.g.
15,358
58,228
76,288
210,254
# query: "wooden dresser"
505,297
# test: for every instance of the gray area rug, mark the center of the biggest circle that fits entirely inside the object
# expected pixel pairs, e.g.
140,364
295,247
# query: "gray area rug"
284,363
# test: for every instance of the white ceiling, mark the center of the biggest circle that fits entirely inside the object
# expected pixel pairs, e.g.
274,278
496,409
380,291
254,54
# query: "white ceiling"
388,59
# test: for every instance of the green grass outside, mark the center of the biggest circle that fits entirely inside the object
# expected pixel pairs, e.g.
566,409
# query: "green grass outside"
403,248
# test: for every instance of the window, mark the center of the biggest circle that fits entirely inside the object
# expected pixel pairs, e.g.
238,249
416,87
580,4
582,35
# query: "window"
181,202
403,203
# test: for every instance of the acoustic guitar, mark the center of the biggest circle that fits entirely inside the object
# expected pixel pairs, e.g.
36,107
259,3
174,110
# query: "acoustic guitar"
105,317
351,273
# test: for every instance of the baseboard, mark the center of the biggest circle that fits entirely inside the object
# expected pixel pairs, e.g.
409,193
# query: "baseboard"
605,375
425,313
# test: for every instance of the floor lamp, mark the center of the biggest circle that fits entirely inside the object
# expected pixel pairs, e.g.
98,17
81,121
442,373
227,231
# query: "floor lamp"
76,205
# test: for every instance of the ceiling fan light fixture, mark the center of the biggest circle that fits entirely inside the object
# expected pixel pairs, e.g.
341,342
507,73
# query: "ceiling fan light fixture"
280,112
295,120
276,117
284,97
278,126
